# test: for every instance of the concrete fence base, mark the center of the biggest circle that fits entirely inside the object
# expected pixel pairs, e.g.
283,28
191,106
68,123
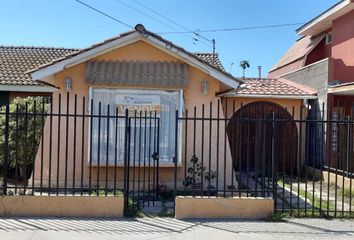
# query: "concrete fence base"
214,207
61,206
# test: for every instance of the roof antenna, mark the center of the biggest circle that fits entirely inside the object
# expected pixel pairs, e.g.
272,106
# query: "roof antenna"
213,41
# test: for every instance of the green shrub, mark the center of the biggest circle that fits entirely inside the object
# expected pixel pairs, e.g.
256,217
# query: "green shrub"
25,131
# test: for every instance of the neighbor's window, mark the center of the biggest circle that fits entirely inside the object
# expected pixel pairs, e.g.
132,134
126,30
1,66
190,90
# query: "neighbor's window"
328,38
144,132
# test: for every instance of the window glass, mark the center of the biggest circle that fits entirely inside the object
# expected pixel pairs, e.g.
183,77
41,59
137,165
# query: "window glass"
147,109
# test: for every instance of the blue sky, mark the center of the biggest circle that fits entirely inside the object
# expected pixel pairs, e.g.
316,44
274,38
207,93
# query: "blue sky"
66,23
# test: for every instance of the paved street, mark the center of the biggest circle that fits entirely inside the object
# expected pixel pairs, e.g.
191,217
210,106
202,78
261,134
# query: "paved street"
167,228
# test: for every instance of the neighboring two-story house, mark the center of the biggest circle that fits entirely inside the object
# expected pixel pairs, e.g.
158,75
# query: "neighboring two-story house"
323,59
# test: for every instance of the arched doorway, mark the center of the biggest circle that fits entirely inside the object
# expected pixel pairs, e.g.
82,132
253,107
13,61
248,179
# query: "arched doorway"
253,137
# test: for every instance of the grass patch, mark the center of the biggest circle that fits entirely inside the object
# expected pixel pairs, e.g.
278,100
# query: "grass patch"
316,202
102,193
276,217
348,193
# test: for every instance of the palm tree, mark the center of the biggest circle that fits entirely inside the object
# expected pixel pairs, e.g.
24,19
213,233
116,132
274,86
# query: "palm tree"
244,64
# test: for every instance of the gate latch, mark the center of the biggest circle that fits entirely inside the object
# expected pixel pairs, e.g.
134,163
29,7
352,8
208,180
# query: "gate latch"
155,156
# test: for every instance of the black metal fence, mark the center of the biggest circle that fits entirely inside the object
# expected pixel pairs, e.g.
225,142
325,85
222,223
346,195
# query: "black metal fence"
223,149
305,164
46,150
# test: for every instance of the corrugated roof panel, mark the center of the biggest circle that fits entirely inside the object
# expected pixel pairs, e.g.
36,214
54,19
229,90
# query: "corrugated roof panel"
137,73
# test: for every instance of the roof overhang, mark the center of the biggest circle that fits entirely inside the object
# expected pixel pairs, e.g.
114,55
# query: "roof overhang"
27,88
324,21
233,94
128,39
342,89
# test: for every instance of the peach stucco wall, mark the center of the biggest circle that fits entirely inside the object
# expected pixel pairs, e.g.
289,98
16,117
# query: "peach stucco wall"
135,51
61,206
229,208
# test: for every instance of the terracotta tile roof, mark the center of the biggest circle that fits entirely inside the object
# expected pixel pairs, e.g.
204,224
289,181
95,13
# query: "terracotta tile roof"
274,87
300,49
15,61
208,57
203,59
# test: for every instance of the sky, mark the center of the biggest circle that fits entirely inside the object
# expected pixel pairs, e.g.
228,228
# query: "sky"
67,23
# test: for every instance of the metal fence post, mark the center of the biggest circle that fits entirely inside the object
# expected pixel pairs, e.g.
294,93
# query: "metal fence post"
126,180
274,164
175,160
6,149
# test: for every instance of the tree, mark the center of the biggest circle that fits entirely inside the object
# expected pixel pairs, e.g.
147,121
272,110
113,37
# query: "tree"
244,64
26,120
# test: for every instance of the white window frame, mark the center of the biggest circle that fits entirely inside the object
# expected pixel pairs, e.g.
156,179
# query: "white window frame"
180,125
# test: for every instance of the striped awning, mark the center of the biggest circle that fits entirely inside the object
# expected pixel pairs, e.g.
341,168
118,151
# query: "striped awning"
137,73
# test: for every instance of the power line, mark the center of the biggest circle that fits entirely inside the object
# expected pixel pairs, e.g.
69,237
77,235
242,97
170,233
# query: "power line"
173,22
235,29
141,12
105,14
161,22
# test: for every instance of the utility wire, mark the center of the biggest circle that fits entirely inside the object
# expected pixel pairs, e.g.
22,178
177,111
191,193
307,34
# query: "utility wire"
105,14
129,26
236,29
141,12
173,22
161,22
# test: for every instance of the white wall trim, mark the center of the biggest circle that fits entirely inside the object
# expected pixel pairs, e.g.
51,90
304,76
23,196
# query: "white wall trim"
267,96
180,126
27,88
323,17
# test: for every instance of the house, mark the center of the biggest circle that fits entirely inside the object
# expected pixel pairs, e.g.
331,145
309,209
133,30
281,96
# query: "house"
323,59
15,61
100,89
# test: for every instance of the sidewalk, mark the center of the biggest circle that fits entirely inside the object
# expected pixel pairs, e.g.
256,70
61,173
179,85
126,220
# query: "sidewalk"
168,228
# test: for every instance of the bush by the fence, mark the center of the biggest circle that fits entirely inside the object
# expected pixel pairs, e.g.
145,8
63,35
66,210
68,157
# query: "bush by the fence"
25,131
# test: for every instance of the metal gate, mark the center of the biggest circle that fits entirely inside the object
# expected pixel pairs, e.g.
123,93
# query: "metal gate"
141,173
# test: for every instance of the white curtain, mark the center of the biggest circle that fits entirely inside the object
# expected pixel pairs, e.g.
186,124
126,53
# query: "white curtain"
143,134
